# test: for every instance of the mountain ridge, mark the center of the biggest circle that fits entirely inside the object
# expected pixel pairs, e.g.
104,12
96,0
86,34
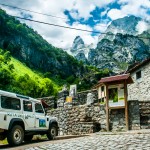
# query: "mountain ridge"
27,46
120,46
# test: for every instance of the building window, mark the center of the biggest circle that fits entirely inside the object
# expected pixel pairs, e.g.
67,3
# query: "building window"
138,74
102,88
102,100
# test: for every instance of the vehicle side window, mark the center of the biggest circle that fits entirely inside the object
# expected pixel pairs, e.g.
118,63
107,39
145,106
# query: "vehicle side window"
38,108
27,106
10,103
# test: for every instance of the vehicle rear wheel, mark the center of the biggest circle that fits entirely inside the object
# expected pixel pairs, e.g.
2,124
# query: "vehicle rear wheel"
52,132
15,135
28,138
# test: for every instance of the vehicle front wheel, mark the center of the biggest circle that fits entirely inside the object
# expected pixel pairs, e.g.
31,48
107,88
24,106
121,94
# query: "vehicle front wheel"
15,135
52,132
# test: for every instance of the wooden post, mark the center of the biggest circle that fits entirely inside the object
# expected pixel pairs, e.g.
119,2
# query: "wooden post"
107,108
126,106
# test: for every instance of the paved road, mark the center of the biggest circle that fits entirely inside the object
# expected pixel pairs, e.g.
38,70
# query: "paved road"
96,141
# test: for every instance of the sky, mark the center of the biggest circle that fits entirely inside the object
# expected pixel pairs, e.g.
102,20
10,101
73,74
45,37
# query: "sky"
93,15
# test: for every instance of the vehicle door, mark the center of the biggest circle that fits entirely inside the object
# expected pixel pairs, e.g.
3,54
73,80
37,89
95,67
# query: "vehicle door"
41,121
9,108
28,114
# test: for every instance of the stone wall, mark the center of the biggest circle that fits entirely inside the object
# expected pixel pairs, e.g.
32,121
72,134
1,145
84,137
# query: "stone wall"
140,89
80,119
145,114
117,117
134,115
117,120
80,99
85,119
82,96
62,98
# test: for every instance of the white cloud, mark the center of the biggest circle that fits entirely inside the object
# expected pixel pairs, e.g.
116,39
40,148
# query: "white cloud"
104,12
61,37
144,3
142,26
131,7
74,14
115,14
101,27
84,7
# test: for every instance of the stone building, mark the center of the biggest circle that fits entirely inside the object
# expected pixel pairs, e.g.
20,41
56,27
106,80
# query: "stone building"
140,89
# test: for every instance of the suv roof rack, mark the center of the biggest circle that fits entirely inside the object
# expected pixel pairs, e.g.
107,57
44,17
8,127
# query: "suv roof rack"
22,96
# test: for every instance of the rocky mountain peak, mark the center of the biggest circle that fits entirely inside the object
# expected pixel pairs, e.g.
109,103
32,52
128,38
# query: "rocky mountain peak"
78,43
116,51
126,25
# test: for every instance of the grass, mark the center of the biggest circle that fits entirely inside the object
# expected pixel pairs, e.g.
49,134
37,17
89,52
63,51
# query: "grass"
4,142
36,137
22,69
102,102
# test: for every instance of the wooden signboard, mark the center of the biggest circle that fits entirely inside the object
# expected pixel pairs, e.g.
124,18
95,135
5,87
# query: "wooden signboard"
116,98
115,94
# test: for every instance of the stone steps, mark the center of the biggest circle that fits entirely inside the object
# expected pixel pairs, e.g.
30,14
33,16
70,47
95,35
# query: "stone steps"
145,111
145,126
145,115
145,121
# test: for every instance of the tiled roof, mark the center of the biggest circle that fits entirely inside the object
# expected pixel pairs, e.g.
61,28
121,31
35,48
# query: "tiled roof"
117,78
138,65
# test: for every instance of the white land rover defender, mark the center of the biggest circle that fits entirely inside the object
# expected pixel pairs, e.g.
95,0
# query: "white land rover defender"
21,117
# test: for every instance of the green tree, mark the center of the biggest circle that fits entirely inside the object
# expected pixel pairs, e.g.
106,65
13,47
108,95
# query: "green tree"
7,57
11,67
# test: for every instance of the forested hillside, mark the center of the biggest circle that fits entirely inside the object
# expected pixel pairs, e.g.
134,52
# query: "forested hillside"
28,46
17,77
19,42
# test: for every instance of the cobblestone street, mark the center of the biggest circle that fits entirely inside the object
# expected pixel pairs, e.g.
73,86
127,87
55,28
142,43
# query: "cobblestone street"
101,142
131,140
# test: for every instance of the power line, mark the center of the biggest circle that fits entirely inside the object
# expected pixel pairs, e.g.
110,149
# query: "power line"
32,11
51,24
105,26
61,26
56,24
